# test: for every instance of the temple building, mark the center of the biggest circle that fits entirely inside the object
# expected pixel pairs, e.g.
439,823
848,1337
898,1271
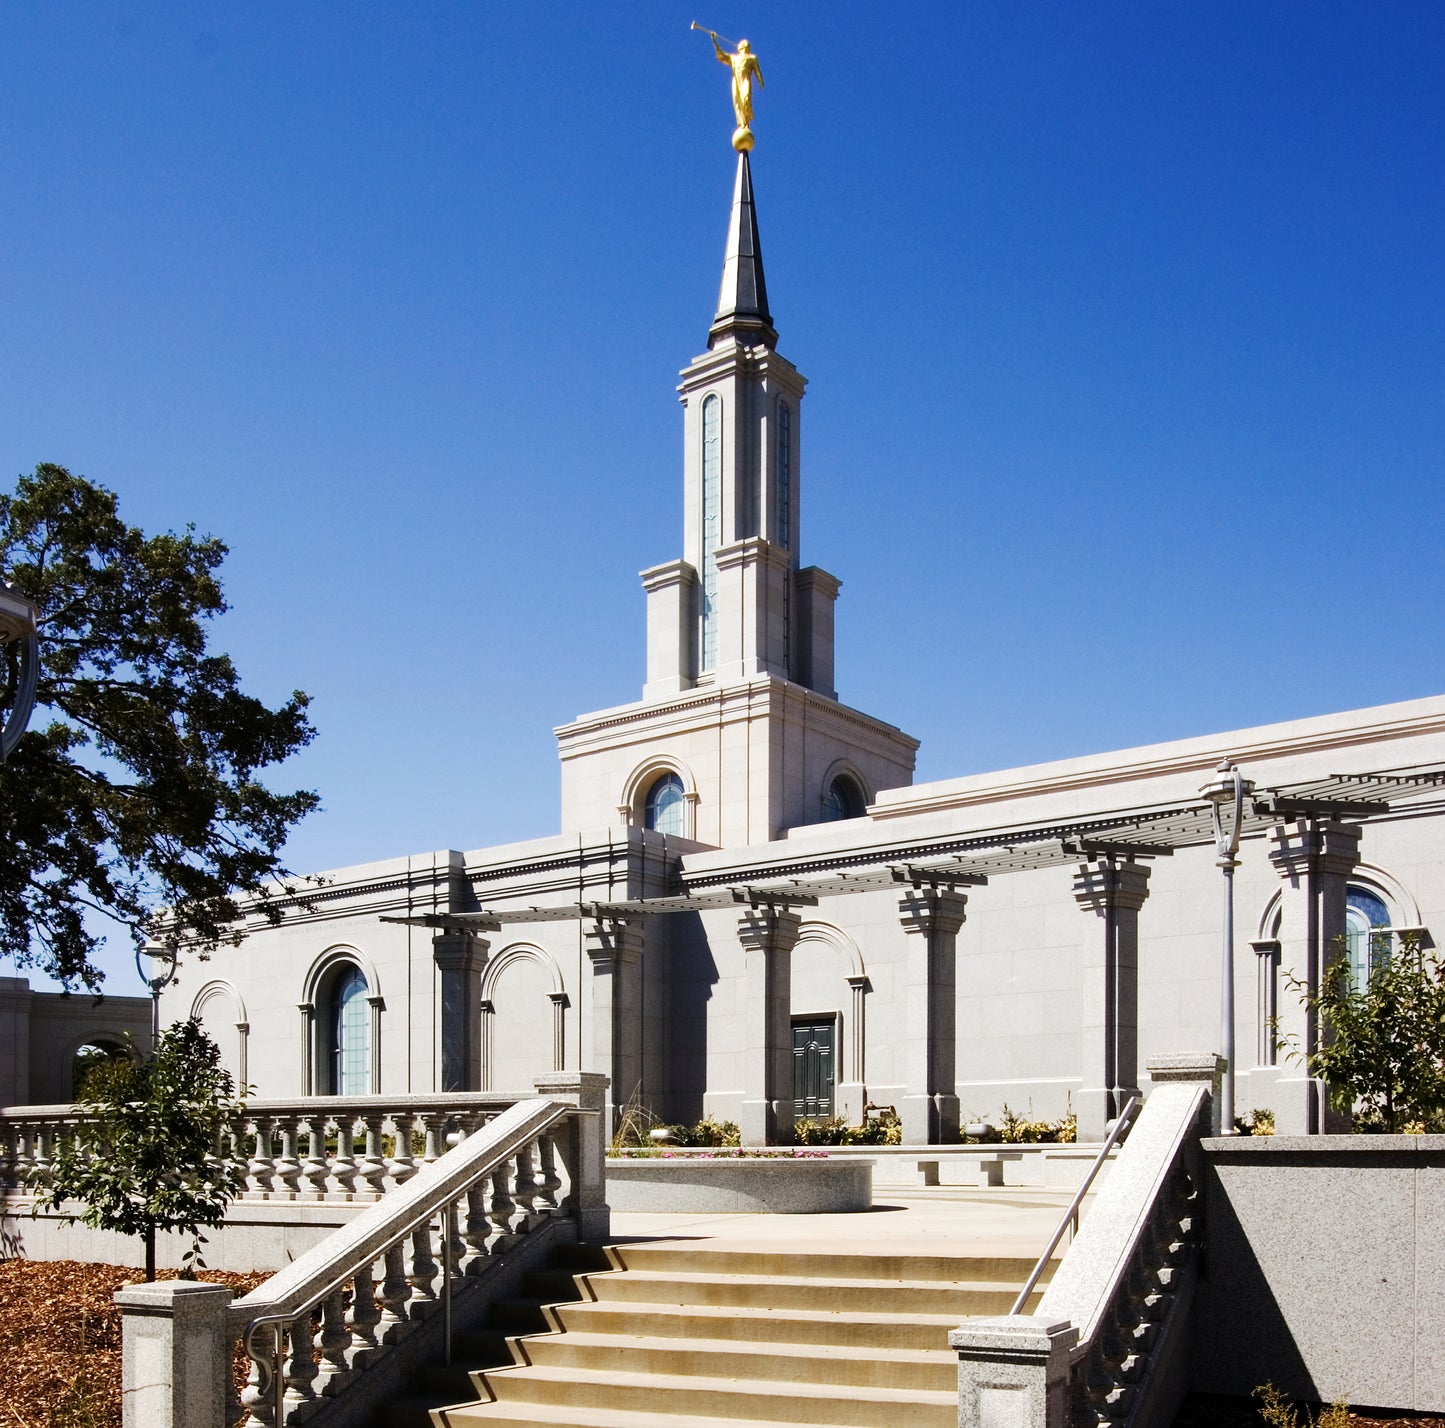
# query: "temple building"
751,911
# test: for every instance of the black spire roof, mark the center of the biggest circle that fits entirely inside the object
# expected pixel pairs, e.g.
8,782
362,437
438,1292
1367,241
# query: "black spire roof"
742,305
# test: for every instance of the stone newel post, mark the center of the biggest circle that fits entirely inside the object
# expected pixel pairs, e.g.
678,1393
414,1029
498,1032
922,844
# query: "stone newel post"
175,1355
459,958
1114,891
614,948
1315,857
930,1103
767,935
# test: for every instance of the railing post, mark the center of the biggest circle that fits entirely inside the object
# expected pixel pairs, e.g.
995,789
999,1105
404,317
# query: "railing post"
1013,1372
176,1361
584,1149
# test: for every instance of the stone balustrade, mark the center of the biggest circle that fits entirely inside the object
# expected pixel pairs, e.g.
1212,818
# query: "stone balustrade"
317,1148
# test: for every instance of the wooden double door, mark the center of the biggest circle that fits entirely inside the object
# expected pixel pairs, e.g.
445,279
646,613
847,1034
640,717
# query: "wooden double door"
813,1049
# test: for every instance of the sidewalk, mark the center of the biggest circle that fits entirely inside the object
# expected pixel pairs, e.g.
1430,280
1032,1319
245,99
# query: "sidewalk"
949,1221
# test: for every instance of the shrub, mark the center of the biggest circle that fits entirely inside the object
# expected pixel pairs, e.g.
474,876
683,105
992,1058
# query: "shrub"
1019,1130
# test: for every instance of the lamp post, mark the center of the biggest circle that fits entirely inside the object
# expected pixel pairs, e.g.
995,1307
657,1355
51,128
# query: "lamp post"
19,666
1226,793
157,984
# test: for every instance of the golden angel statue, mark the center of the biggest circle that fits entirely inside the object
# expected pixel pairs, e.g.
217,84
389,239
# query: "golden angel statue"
745,68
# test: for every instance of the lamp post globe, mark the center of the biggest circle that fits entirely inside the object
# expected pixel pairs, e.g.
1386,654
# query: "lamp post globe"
19,666
160,956
1226,793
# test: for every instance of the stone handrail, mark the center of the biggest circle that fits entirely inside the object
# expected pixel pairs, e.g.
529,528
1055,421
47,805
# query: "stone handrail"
340,1323
1104,1345
332,1148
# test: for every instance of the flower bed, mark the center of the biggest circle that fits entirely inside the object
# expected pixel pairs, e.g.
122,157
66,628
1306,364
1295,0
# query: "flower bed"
740,1181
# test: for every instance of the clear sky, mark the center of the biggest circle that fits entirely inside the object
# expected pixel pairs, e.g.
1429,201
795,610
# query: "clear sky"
1125,328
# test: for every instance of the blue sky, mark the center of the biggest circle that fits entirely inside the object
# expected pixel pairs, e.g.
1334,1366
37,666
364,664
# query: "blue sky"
1125,328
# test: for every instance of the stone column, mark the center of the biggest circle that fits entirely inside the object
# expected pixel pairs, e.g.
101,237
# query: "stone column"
1315,857
768,935
1013,1372
175,1359
1266,1001
930,1102
614,948
459,957
1114,891
852,1091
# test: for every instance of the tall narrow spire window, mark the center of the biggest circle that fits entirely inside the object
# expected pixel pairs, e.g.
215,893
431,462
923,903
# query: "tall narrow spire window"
785,476
711,525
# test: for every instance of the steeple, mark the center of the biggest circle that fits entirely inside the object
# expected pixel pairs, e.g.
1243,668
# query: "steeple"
742,305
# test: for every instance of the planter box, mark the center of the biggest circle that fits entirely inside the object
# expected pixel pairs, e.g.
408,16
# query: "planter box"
782,1186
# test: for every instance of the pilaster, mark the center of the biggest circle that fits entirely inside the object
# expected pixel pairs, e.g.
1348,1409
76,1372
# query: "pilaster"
852,1093
768,936
816,595
930,1103
671,656
752,610
614,949
459,959
1314,857
1113,890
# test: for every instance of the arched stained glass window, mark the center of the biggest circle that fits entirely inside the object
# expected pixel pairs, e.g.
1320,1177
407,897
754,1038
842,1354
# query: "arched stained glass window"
785,476
666,804
843,800
711,525
350,1029
1366,943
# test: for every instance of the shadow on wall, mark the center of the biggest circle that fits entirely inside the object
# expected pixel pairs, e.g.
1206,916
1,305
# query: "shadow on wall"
692,974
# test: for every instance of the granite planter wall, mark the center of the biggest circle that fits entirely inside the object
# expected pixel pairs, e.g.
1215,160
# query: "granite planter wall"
1324,1269
762,1185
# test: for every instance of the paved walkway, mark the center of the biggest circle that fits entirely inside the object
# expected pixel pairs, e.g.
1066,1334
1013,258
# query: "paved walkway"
1003,1221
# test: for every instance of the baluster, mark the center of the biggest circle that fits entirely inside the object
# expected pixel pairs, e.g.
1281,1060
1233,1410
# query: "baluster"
287,1170
435,1127
524,1189
333,1344
502,1210
363,1317
373,1165
300,1367
235,1406
403,1165
476,1228
9,1159
395,1293
457,1249
258,1398
41,1139
424,1268
314,1169
260,1167
343,1166
548,1181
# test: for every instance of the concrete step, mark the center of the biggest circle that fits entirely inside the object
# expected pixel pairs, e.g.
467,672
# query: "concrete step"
529,1415
877,1331
769,1401
823,1264
831,1364
795,1292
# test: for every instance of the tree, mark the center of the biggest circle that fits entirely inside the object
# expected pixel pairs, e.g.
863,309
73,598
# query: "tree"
1382,1045
152,1149
140,797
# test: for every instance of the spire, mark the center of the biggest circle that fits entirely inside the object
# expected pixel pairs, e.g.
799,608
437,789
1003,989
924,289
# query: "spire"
742,306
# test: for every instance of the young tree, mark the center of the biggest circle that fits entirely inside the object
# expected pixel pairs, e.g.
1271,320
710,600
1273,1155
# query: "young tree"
141,792
1382,1045
152,1150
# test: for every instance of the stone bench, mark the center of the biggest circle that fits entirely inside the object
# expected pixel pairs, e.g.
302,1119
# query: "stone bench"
965,1168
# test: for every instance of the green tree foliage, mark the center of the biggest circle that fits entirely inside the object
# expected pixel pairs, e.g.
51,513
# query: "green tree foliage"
1382,1045
152,1149
141,790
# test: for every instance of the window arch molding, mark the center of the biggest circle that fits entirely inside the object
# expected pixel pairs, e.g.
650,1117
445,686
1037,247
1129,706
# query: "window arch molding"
556,994
644,778
218,989
1404,909
321,980
847,772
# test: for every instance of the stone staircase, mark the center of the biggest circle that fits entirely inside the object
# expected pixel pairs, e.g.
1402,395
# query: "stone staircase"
655,1334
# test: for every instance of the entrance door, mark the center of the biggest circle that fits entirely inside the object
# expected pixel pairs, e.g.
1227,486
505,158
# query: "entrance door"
813,1067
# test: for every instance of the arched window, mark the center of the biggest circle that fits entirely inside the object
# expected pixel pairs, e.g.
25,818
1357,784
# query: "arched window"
711,525
1367,936
785,475
349,1035
844,799
665,806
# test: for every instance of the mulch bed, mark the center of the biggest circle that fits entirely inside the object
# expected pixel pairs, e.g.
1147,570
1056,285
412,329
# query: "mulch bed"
60,1340
1203,1410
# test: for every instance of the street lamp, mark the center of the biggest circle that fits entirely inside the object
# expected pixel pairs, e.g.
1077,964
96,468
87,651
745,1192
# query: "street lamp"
19,666
157,984
1226,793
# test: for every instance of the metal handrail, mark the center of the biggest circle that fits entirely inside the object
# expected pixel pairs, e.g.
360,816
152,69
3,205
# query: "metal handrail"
1071,1215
